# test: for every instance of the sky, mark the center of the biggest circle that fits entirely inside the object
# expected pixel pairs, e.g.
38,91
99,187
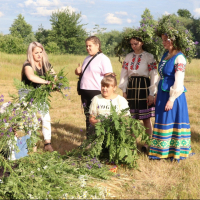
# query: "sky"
109,14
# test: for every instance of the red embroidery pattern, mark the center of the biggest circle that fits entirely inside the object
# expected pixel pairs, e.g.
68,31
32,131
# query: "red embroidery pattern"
125,65
179,67
133,66
132,62
138,62
152,66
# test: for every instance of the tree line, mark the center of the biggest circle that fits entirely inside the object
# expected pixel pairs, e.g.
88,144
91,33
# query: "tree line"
67,34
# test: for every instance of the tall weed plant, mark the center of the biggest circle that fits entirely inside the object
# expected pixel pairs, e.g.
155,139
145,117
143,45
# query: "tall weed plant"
114,138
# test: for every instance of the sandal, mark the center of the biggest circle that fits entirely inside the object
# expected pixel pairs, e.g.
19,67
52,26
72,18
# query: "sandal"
48,147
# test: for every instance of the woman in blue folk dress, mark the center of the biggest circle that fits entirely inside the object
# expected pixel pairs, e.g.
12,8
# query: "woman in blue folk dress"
171,133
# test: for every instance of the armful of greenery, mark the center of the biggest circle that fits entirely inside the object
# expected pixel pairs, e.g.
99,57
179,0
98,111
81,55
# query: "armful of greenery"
115,132
41,96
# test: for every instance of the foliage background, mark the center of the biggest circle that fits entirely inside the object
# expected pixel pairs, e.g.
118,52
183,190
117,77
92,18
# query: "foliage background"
67,34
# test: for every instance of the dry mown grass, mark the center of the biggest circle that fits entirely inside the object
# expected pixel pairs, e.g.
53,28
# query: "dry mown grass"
155,179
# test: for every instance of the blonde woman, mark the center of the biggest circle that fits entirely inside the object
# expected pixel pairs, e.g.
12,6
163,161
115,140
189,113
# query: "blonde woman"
37,61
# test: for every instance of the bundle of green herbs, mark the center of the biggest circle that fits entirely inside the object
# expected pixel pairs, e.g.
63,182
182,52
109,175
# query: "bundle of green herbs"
17,117
40,96
53,176
115,139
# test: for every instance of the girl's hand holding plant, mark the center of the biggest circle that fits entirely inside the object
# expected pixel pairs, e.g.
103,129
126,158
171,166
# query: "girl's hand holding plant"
93,120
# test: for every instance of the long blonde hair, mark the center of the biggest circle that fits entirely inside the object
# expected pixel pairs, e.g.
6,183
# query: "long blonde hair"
44,62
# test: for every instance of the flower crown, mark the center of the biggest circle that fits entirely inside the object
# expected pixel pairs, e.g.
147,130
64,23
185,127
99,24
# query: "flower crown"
147,35
182,39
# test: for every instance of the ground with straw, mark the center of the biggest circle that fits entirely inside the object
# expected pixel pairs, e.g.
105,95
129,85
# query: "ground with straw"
154,179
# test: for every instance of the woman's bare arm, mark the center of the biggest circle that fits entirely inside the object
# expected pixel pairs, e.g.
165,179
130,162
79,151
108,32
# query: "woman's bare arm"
32,77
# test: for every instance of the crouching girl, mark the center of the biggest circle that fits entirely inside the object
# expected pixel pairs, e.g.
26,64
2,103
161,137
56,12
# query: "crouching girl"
101,103
113,138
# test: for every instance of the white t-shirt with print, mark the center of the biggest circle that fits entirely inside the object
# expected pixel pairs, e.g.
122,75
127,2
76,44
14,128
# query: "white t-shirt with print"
101,106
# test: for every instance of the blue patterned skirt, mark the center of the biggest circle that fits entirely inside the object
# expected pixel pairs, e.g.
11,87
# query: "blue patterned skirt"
171,134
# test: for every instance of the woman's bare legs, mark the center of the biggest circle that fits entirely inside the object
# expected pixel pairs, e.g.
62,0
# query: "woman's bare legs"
147,123
149,130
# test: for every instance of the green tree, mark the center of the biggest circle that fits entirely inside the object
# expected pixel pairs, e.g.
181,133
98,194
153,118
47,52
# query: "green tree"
12,45
42,35
184,13
68,32
112,38
195,29
20,27
29,38
52,47
99,32
108,39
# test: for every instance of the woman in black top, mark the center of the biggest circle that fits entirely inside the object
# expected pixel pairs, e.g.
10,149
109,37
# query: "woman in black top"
37,61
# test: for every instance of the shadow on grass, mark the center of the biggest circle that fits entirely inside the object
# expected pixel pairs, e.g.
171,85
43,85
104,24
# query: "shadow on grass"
195,137
65,137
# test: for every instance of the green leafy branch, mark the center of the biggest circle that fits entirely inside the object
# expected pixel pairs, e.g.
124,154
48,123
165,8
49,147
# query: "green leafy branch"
40,96
115,139
51,175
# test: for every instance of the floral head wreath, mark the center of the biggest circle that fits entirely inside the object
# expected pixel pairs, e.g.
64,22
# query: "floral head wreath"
147,35
182,39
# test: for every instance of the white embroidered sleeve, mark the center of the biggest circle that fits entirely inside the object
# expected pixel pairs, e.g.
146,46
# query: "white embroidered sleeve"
154,79
153,73
177,89
124,76
156,84
158,80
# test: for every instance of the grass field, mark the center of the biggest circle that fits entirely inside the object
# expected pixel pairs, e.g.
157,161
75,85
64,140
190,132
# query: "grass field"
154,179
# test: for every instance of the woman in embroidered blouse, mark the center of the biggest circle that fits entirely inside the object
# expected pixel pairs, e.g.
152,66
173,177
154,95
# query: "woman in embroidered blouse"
137,88
171,134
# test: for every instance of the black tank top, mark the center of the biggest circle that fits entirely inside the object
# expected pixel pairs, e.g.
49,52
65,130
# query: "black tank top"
39,72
